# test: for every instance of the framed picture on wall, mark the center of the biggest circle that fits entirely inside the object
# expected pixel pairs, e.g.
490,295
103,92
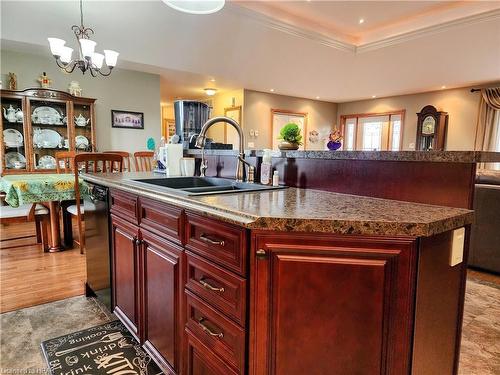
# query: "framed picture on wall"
127,119
281,117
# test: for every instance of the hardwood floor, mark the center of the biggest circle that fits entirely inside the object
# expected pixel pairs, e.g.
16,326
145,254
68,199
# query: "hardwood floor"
29,277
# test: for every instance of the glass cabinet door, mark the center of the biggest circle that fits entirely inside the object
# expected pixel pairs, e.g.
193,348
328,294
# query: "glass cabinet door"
49,128
83,127
14,142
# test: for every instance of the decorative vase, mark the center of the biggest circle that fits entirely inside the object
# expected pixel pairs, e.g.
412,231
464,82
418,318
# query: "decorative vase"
332,146
285,146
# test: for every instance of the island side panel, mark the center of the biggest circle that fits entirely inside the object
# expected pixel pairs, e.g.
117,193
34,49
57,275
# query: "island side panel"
439,306
441,183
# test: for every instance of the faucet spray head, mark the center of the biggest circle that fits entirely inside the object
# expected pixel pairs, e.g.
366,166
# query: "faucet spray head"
200,141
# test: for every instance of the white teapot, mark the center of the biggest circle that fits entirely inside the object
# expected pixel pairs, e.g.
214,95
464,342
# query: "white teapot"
10,114
81,121
19,115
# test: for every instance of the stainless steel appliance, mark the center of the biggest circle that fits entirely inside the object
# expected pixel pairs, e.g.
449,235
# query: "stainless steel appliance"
190,115
97,244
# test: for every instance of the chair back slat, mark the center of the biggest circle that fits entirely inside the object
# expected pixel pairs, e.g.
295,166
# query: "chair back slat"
143,161
126,159
65,161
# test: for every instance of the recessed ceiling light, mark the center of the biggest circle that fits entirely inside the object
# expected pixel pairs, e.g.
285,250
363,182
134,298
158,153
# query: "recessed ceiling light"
196,6
272,90
361,20
210,91
443,87
374,96
212,80
317,97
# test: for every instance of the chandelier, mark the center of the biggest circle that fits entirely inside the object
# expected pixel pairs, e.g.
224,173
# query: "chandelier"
87,60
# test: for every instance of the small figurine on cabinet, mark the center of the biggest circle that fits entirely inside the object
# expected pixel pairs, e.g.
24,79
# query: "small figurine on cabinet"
74,88
12,81
45,81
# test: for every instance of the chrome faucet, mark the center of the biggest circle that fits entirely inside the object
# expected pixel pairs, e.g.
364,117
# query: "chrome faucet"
200,143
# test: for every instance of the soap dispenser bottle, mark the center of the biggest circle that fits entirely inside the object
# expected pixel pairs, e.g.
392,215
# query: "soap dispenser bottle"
265,168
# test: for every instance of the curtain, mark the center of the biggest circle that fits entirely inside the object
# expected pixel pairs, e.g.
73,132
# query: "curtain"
487,120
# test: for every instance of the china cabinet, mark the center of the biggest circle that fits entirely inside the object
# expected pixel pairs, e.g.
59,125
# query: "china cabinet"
37,123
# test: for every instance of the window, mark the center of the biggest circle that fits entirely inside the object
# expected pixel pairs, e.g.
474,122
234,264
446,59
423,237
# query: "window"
496,166
373,132
372,136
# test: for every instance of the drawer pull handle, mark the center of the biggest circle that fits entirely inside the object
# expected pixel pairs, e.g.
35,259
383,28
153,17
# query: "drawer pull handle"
208,330
206,285
208,240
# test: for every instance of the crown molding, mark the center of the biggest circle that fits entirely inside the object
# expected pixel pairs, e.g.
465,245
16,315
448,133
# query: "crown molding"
292,30
431,30
371,46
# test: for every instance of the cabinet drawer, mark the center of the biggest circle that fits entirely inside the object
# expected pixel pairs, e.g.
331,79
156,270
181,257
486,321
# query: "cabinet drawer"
221,289
223,337
124,205
221,243
201,361
162,219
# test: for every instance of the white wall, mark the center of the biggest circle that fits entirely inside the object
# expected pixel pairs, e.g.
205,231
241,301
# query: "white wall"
123,89
461,105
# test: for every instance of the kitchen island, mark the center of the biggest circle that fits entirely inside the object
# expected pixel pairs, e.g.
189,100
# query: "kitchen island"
292,281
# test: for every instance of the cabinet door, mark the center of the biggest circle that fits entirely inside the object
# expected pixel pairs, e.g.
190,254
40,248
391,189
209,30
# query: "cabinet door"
162,293
126,273
330,305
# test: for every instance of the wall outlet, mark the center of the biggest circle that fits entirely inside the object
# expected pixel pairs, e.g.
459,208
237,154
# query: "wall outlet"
457,247
251,145
411,146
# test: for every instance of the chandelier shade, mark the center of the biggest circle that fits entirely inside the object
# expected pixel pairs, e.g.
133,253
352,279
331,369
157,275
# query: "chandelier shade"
87,59
56,45
87,47
111,57
98,59
66,54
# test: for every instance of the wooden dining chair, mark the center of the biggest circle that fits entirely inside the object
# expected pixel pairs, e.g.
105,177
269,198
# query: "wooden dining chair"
91,163
126,159
28,213
143,161
64,161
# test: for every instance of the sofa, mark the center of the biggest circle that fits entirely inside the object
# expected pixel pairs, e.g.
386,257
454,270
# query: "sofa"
484,250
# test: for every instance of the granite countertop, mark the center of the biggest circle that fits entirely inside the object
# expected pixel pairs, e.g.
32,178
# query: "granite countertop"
305,210
428,156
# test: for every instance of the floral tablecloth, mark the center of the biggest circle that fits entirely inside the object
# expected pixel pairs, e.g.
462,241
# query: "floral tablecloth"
34,188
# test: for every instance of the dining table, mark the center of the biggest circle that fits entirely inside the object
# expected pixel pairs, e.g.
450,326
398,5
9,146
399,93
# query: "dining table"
49,189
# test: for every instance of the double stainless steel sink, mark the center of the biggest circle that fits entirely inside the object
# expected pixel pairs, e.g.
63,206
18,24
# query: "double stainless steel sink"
201,185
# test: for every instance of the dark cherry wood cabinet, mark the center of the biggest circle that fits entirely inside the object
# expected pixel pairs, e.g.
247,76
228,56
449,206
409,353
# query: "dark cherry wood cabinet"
126,274
331,304
200,360
205,297
162,299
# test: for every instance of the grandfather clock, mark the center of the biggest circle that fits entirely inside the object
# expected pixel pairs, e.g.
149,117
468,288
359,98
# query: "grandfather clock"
431,129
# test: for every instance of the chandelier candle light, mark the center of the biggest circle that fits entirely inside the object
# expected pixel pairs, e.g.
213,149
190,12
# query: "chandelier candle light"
88,59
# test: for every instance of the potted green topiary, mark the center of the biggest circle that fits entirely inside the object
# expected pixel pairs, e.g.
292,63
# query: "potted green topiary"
290,137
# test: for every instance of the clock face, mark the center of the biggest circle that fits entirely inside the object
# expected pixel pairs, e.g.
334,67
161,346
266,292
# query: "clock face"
428,125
